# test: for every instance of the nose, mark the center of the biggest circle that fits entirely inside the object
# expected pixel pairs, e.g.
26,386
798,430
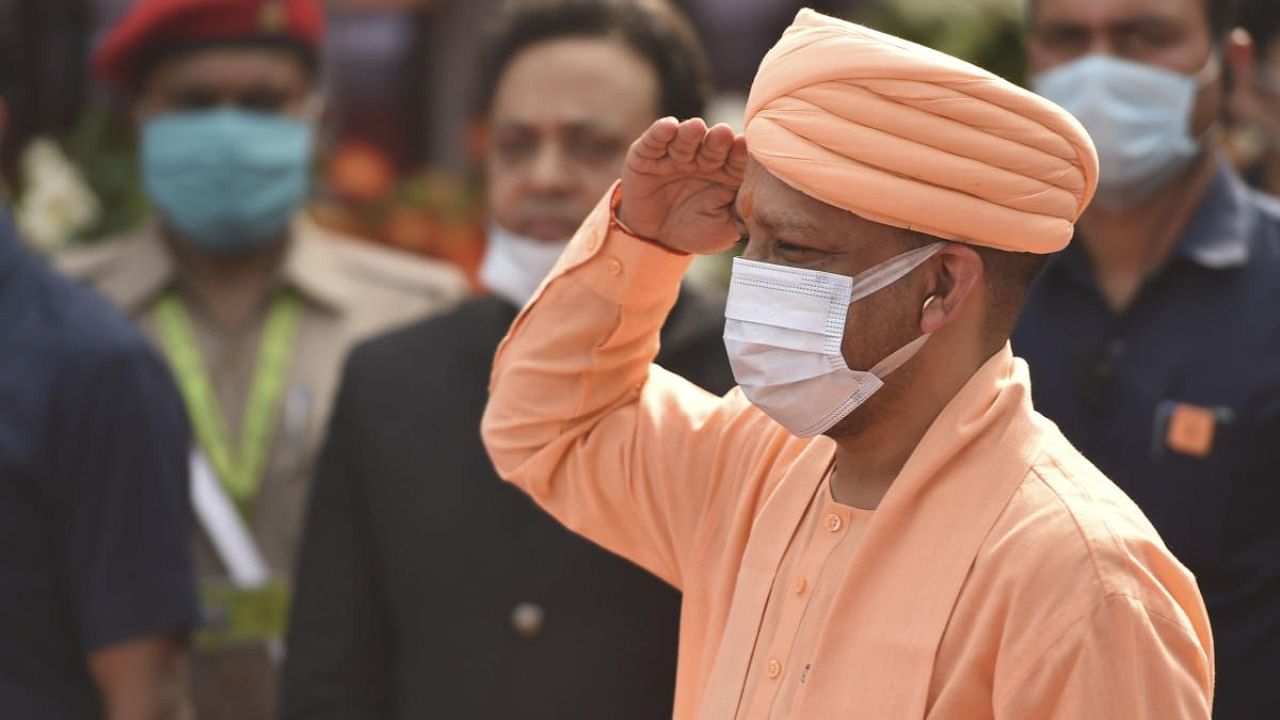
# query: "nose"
757,249
1101,44
551,171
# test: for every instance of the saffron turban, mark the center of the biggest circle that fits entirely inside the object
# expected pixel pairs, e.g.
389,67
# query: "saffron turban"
903,135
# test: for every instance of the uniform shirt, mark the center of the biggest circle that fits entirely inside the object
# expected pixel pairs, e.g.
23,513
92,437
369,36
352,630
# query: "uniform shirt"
95,530
349,290
1002,575
1200,340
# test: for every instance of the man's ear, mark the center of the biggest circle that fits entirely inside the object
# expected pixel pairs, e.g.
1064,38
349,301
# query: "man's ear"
960,271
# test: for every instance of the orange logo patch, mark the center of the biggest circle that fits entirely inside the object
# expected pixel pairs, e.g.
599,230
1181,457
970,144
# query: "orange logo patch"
1191,430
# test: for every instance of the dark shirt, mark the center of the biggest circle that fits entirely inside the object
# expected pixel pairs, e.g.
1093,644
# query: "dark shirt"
1203,334
94,522
427,587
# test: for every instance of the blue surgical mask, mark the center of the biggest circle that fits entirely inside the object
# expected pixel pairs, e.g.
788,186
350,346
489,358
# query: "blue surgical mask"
1139,117
228,180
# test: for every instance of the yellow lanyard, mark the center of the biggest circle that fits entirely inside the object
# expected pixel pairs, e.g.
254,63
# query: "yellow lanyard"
239,468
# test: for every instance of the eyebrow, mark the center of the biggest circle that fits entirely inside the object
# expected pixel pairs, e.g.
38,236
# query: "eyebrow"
1124,24
785,221
776,221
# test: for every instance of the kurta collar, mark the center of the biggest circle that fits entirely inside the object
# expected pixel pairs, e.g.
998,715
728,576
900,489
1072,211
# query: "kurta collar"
1217,237
931,524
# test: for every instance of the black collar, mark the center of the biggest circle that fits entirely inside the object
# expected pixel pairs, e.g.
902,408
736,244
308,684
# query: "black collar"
1217,237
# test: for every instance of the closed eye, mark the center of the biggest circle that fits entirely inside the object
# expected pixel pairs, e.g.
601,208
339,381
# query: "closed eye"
787,248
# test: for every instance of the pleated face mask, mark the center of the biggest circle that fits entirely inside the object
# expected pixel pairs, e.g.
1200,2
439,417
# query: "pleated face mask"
784,328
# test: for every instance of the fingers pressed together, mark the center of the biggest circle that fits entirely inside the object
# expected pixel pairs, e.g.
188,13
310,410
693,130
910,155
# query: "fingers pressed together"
692,143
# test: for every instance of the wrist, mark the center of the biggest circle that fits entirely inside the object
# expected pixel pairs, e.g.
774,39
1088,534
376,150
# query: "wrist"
615,219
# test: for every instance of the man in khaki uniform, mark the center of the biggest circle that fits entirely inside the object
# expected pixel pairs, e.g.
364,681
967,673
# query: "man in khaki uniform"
254,306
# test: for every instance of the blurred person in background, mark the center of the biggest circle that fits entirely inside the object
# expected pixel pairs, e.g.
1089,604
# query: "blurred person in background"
1153,341
97,592
1254,97
253,305
426,586
736,34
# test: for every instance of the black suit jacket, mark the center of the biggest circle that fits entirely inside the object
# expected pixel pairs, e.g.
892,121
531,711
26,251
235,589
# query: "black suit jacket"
429,588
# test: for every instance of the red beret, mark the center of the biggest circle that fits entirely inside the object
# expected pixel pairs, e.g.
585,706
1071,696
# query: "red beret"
149,23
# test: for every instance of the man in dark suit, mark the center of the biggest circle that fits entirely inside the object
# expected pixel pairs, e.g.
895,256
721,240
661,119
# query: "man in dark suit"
427,587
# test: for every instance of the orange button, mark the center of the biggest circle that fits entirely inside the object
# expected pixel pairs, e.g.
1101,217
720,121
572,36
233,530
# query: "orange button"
834,523
614,267
801,585
774,669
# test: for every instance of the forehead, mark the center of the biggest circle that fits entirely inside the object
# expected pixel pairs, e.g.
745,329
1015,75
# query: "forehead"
1105,13
575,81
217,67
768,202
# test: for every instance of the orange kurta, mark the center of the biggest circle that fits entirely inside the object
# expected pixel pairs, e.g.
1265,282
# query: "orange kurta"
806,587
1002,575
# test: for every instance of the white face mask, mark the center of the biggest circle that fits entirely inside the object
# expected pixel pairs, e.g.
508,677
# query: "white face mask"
514,266
784,328
1138,115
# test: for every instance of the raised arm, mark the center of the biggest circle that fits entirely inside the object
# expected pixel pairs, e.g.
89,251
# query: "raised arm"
620,451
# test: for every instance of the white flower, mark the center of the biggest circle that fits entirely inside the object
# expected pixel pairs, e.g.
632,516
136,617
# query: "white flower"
56,202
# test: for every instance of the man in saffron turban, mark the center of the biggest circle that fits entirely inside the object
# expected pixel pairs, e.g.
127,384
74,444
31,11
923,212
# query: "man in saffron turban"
876,523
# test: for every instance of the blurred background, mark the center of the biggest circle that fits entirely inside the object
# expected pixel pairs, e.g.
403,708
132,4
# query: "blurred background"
397,164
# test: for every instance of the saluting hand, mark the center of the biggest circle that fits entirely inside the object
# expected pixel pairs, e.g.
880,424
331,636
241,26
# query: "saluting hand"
680,182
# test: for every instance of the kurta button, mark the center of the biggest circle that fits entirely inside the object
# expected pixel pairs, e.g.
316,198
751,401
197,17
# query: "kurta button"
614,267
774,669
834,523
593,242
527,619
801,586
